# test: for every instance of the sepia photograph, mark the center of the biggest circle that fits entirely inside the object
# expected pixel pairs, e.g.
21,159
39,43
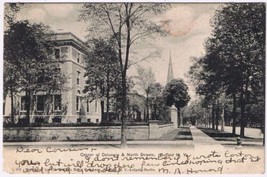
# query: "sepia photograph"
163,88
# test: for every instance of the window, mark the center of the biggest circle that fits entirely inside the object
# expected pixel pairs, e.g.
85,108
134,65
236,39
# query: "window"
78,77
77,103
78,57
40,102
57,53
88,120
97,120
87,105
95,106
64,50
23,103
57,102
74,54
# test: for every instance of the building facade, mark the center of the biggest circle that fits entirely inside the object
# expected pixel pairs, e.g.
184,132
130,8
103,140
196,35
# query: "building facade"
69,105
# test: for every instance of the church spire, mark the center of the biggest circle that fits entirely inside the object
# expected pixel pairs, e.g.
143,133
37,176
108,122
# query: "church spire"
170,71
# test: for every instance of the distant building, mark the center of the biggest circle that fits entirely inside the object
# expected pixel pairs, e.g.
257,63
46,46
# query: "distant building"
170,70
137,108
177,122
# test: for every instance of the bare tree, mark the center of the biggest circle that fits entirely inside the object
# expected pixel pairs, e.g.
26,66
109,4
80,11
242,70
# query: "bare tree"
128,23
145,78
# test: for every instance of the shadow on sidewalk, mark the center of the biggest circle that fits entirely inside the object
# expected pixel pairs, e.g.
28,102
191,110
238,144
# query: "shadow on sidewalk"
182,133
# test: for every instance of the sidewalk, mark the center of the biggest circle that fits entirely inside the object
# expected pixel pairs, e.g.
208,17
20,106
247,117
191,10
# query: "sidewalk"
203,141
182,133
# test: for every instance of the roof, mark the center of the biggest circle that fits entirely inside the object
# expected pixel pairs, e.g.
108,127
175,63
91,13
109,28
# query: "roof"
68,37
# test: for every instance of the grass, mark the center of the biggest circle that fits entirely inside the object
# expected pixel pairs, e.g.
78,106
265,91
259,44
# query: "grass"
226,136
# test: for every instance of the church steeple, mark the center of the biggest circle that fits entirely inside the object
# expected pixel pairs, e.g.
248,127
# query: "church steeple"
170,71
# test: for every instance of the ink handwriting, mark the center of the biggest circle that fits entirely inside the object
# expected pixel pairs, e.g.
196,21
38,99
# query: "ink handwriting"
86,160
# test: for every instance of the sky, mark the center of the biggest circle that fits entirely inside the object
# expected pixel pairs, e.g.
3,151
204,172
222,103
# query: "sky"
188,27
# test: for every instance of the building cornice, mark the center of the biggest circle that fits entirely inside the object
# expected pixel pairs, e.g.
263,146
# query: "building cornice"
69,39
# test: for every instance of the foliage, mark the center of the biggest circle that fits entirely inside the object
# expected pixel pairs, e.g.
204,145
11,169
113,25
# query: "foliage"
128,23
176,93
10,11
28,61
234,60
102,72
157,102
144,79
102,68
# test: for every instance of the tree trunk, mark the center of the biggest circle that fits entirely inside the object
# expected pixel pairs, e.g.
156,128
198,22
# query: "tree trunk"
107,94
242,119
234,115
123,112
213,116
147,107
209,116
217,114
12,105
102,111
244,99
107,105
123,75
222,119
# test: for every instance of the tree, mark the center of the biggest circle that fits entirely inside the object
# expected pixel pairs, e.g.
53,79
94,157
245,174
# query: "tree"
234,60
28,48
207,82
102,72
10,76
144,79
158,103
195,113
128,23
242,51
11,9
176,93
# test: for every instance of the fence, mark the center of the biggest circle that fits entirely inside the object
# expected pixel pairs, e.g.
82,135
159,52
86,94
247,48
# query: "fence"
153,130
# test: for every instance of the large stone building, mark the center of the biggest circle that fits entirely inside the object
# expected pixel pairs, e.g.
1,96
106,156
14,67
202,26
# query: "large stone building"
69,105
